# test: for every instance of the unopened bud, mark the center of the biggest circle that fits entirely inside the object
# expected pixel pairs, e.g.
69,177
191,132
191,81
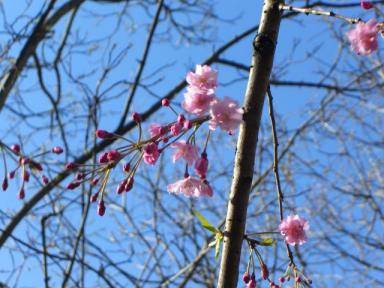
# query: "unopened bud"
15,148
180,118
136,117
165,102
101,208
57,150
21,193
45,179
73,185
4,186
102,134
70,166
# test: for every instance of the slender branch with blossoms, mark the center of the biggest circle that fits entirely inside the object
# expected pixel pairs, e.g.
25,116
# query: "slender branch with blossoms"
27,165
363,37
201,101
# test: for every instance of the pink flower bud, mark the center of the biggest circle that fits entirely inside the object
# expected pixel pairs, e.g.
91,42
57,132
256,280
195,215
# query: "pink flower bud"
70,166
151,153
24,161
15,148
113,155
94,197
5,184
136,117
101,208
187,124
165,102
94,181
102,134
44,179
176,129
246,277
201,166
103,158
11,174
366,5
165,139
26,176
252,283
57,150
281,279
126,167
128,186
21,193
181,118
79,176
73,185
298,279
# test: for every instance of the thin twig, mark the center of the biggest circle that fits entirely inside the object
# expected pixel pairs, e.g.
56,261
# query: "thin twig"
280,195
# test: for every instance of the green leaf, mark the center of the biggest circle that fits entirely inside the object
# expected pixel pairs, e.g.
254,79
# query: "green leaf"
219,239
204,222
267,242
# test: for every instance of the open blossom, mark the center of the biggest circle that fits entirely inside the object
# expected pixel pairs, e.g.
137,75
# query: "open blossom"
197,101
204,78
151,153
156,129
364,37
184,150
293,229
191,187
225,114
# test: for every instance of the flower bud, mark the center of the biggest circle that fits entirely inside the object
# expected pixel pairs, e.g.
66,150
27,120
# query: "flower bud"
128,186
101,208
126,167
45,179
70,166
281,279
4,186
73,185
102,134
15,148
79,176
136,117
94,197
246,277
165,102
187,124
57,150
11,174
94,181
103,158
366,5
113,155
21,193
180,118
26,176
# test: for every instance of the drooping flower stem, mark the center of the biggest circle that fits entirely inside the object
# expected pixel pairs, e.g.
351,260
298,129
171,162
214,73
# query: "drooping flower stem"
262,61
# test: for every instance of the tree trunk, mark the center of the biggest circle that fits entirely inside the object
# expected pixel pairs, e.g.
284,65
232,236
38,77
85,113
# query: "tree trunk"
262,61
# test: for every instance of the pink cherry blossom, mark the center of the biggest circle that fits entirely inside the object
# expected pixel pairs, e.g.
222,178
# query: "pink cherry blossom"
156,129
190,187
225,114
197,101
293,229
185,150
151,153
176,129
364,37
204,78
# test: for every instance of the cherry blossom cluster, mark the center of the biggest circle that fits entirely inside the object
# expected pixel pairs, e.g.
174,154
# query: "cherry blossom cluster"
202,105
363,37
25,165
293,229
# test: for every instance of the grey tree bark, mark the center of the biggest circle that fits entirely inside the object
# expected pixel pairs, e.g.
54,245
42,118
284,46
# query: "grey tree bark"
262,61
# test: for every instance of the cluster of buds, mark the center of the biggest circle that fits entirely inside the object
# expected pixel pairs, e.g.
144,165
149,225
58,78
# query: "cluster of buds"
25,164
201,101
